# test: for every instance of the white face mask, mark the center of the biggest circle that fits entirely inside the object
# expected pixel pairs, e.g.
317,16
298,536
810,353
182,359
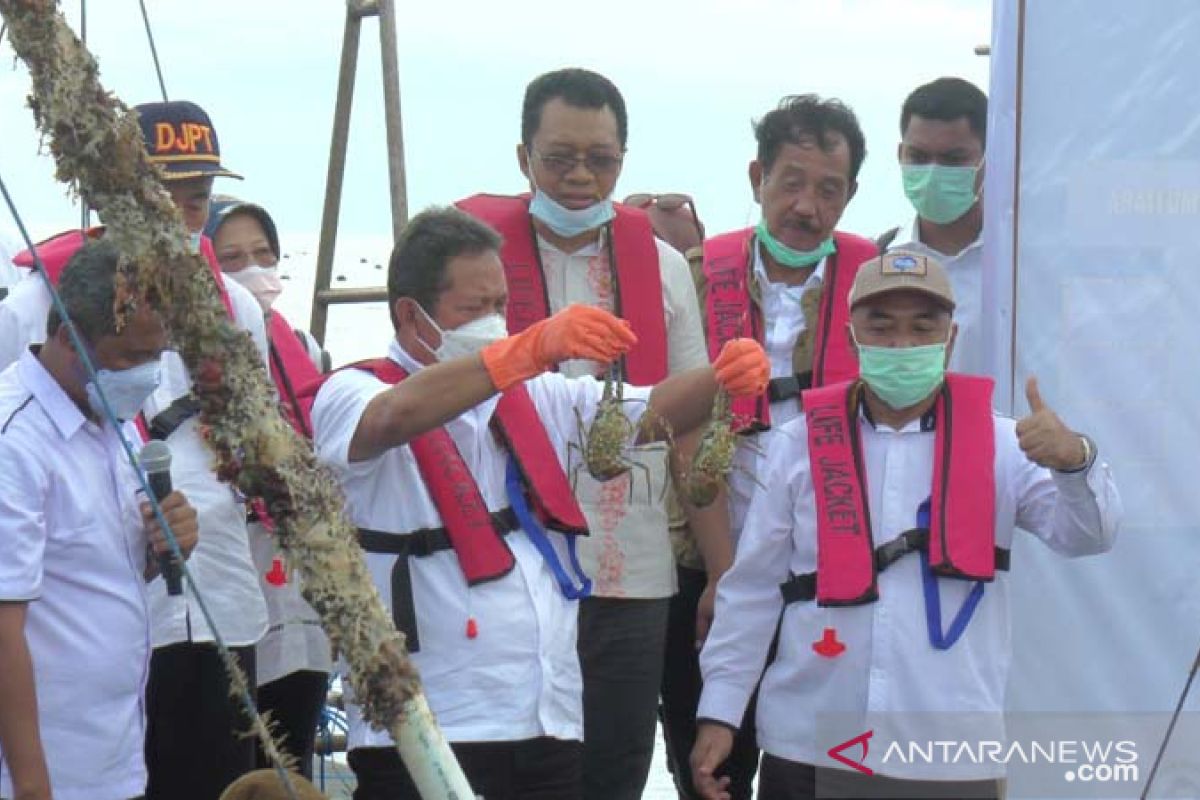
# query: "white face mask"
263,283
468,339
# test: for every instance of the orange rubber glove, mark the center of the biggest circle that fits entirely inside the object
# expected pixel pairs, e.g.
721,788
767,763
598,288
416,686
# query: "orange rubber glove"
578,331
742,368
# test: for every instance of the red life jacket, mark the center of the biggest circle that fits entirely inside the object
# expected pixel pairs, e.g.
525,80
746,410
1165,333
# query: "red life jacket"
482,552
728,264
291,369
962,529
637,293
56,251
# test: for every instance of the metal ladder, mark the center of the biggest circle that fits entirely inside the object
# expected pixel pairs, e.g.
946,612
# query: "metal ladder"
323,295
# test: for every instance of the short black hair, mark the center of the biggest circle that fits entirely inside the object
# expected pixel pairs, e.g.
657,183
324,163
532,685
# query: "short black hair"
87,291
426,245
808,117
946,100
576,87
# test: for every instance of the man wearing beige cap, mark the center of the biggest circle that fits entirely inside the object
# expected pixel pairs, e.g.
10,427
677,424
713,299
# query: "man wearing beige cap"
881,535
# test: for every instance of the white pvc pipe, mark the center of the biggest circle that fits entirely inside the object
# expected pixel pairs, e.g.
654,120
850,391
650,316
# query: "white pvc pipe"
427,754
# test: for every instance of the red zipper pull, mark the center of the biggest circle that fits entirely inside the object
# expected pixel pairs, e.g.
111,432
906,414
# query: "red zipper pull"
828,645
277,576
472,628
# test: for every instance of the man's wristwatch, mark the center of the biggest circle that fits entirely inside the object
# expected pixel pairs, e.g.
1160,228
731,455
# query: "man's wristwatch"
1089,454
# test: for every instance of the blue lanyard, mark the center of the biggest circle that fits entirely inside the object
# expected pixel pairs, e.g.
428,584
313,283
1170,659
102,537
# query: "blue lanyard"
933,599
537,535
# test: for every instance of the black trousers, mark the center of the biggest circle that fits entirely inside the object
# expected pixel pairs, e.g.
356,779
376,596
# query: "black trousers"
531,769
193,744
681,686
621,645
295,702
780,779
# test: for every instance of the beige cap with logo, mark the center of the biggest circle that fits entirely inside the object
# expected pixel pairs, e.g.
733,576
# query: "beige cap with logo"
902,269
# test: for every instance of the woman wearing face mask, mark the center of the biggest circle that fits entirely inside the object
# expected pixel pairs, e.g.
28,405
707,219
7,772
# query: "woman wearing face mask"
293,659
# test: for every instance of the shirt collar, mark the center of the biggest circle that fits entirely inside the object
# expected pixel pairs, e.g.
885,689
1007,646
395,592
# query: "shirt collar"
913,231
760,271
926,423
59,407
400,356
592,248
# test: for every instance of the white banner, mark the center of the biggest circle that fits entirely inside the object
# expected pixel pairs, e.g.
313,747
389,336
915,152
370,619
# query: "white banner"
1094,249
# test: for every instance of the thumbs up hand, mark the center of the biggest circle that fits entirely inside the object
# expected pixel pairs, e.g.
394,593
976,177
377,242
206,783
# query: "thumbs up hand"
1043,437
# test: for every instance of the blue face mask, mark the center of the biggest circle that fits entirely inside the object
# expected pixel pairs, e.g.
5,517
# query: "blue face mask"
126,389
569,222
789,256
194,243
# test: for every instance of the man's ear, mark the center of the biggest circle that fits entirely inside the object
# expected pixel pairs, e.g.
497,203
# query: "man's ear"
850,337
755,173
523,159
950,343
853,191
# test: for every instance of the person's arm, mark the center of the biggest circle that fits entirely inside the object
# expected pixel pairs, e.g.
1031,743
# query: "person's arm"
20,739
748,608
1064,497
683,402
711,527
439,393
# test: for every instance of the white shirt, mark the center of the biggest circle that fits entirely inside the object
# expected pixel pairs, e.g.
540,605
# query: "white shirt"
221,564
295,639
629,551
965,271
519,678
10,274
73,545
784,320
889,673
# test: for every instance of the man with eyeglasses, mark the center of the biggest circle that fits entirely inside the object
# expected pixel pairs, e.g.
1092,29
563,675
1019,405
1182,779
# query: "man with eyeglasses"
943,129
568,242
785,282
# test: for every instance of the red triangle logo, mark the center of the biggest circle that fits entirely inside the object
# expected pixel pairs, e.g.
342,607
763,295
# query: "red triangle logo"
835,752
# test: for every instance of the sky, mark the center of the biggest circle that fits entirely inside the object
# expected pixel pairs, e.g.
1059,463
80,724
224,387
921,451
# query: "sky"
694,73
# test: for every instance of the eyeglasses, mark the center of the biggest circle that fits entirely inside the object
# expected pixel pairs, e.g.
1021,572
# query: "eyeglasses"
671,201
599,164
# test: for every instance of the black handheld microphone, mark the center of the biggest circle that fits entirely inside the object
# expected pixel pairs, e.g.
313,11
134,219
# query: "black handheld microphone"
156,461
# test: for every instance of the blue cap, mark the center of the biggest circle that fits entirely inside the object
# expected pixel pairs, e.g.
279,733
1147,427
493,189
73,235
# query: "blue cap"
181,139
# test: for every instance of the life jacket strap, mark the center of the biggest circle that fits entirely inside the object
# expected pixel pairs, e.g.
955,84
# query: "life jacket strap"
417,544
170,418
802,588
789,386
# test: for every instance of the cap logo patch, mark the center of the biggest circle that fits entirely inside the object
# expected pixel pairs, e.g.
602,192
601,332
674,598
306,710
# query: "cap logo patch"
184,138
903,265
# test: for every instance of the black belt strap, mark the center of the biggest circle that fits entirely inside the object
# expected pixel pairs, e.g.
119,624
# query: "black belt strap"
169,419
417,544
788,387
803,588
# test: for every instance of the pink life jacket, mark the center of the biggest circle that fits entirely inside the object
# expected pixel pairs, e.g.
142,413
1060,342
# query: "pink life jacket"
291,369
56,251
728,264
638,284
483,554
962,529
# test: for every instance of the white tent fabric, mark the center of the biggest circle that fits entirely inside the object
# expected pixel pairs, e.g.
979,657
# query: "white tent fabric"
1094,248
